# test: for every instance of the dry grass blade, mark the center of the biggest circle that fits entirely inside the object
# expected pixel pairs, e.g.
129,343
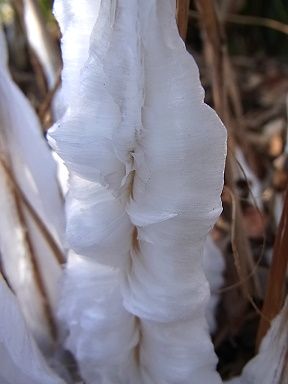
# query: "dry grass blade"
277,275
252,21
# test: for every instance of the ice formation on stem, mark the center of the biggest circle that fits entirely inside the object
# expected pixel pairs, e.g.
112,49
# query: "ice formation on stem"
25,188
214,267
98,225
102,335
146,157
20,359
270,366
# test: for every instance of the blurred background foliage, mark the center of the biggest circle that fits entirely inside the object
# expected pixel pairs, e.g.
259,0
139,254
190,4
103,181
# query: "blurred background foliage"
265,40
242,40
248,38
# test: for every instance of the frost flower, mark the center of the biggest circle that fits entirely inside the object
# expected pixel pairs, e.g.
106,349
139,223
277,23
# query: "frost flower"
32,217
270,365
146,157
21,361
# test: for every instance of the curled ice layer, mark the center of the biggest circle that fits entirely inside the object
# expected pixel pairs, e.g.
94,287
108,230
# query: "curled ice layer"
107,106
102,334
214,266
24,155
97,223
270,365
76,19
178,174
20,360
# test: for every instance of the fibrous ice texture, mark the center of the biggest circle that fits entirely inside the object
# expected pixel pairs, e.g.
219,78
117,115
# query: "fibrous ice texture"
26,165
146,157
270,365
20,359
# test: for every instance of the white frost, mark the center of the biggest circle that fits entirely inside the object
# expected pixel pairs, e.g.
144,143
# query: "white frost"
146,157
268,367
24,151
20,360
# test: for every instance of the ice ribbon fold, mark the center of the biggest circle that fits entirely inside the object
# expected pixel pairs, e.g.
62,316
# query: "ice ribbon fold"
181,137
20,359
269,366
24,154
102,334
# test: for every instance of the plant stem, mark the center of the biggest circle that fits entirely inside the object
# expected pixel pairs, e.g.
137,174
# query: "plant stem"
183,17
275,292
216,56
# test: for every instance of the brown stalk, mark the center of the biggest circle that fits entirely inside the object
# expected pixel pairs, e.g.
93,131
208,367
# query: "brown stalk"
183,17
45,91
213,41
275,292
46,104
33,58
240,133
216,56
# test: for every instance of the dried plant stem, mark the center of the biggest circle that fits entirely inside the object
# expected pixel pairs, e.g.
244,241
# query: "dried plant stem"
216,56
213,41
183,17
45,107
275,292
232,88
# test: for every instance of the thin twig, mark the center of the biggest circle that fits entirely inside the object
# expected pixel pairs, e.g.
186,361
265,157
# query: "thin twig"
46,104
257,21
253,21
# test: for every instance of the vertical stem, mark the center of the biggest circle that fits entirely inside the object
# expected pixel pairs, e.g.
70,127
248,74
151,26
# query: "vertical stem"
48,55
183,17
275,292
214,44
